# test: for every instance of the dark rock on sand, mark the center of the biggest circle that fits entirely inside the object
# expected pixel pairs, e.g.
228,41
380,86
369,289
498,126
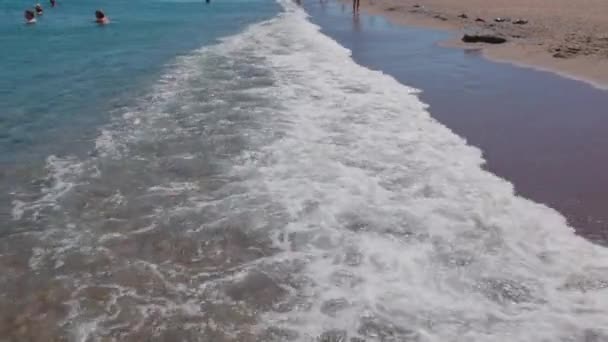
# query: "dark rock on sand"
558,53
569,51
489,38
573,49
520,22
463,16
479,20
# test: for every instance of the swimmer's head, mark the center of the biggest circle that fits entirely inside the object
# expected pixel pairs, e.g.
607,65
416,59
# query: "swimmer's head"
99,15
28,14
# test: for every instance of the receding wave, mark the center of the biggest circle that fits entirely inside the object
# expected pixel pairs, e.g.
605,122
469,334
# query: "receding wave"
271,189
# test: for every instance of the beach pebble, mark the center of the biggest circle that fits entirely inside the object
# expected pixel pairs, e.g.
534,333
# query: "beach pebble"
480,20
463,16
520,22
500,20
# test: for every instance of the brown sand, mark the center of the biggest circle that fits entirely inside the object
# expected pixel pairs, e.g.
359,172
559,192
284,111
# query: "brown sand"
564,36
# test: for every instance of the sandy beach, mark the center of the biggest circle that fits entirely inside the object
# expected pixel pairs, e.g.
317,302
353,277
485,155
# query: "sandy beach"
566,37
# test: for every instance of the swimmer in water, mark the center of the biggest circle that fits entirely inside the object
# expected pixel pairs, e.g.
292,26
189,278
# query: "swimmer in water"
29,16
101,18
38,9
53,3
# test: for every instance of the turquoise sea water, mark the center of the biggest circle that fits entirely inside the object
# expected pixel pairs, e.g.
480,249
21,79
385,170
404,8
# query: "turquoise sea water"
64,75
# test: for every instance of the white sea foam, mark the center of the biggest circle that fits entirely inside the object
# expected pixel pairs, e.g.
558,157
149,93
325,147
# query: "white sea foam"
398,219
62,176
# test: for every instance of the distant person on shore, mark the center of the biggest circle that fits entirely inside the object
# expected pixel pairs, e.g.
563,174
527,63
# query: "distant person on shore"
29,16
356,4
53,3
101,18
38,9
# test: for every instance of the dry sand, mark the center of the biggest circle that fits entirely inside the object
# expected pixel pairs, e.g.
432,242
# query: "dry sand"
569,37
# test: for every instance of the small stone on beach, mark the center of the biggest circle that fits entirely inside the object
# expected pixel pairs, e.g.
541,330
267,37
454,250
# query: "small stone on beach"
480,20
463,16
520,22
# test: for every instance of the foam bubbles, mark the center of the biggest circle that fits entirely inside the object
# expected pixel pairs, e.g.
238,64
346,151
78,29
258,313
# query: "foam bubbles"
421,242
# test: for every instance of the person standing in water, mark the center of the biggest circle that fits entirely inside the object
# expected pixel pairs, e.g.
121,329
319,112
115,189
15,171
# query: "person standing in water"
53,3
38,9
356,4
101,18
29,16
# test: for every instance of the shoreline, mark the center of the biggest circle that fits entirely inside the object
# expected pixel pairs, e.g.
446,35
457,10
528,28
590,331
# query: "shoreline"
537,130
552,41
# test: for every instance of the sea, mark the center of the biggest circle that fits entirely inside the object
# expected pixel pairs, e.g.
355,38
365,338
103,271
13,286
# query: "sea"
227,172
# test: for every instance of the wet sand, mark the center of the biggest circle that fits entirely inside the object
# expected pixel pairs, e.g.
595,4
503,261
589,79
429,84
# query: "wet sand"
542,132
569,38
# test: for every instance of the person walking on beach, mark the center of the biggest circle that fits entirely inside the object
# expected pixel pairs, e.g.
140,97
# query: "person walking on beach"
356,4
